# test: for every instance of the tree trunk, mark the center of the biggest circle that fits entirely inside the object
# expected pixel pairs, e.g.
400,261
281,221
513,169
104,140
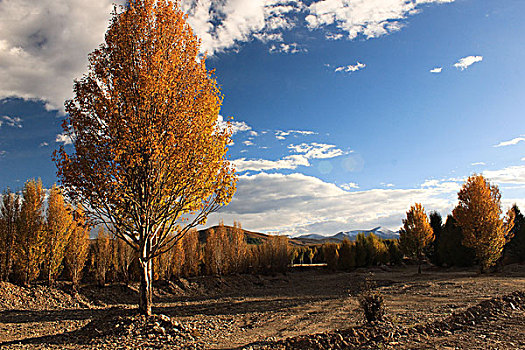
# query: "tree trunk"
419,268
145,292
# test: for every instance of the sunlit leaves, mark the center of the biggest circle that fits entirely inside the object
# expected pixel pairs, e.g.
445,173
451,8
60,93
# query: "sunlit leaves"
480,216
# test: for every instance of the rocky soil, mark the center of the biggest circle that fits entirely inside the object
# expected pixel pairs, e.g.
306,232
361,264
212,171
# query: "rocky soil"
304,309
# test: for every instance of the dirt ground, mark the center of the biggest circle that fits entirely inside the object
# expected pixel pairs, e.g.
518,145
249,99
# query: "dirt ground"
251,312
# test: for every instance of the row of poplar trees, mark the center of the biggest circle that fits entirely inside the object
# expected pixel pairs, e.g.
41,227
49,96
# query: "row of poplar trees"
476,231
38,239
222,250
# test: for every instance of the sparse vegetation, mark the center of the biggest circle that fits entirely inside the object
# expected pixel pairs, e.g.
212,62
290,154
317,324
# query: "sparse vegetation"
372,303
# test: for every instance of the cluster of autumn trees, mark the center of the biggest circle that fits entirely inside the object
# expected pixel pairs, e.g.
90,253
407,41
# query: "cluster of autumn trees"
38,240
221,250
366,250
475,232
42,237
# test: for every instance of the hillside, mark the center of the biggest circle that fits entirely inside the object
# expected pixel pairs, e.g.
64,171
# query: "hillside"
251,237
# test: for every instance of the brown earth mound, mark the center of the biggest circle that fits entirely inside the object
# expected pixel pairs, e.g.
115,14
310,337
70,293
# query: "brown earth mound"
14,297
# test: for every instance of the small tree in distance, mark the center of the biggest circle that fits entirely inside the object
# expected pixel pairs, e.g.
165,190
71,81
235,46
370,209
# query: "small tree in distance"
150,155
416,233
480,216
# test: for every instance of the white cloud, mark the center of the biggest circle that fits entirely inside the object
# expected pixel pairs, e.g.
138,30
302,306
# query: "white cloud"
266,37
248,143
296,204
224,24
351,68
349,186
44,45
14,122
363,17
523,159
466,62
478,163
331,36
64,138
510,175
288,162
236,126
281,135
511,142
436,70
316,150
287,48
43,144
304,152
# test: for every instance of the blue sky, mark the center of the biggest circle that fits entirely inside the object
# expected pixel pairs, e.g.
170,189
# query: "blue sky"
340,122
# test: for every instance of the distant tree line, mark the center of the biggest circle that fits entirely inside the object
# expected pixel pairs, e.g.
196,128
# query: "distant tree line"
366,250
43,237
477,231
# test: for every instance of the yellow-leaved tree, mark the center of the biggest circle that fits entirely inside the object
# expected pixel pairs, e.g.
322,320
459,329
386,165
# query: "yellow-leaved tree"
30,235
149,156
9,217
480,216
416,233
78,247
57,230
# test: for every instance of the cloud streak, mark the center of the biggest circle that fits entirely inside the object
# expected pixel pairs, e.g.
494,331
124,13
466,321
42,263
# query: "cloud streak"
514,141
350,68
303,154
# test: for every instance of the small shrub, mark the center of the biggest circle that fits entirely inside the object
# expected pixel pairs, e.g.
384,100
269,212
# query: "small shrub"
372,303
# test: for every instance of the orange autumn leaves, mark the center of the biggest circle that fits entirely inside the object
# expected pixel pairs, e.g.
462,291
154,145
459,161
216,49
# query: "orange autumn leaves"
479,215
148,149
416,233
150,156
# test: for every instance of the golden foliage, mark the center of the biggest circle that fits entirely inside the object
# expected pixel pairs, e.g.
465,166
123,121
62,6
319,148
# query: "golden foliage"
416,233
30,237
57,230
78,247
150,156
9,216
480,216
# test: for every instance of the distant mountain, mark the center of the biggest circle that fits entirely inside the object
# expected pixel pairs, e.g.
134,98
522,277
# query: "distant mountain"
250,236
379,231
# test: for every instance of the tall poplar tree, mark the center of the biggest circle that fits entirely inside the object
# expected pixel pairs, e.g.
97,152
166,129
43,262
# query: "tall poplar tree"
30,235
78,247
56,233
480,216
150,154
9,216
